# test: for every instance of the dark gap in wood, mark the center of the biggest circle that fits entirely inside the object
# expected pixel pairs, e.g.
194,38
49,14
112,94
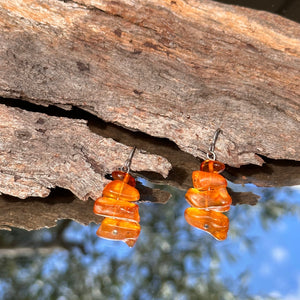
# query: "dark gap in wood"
280,162
143,141
270,7
35,213
265,168
57,195
96,125
116,132
183,163
50,110
273,172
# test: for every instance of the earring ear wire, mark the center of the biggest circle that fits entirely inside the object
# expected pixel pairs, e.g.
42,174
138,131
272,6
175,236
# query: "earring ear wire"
211,151
127,164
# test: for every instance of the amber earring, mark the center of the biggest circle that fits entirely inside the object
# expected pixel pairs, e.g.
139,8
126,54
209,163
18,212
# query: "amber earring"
209,197
121,222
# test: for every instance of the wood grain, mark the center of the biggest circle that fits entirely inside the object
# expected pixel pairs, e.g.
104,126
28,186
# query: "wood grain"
173,69
40,152
34,213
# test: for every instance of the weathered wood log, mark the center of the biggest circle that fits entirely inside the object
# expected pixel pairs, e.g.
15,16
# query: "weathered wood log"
174,69
273,173
32,214
39,152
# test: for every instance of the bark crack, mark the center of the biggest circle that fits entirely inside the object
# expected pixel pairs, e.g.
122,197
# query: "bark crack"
71,156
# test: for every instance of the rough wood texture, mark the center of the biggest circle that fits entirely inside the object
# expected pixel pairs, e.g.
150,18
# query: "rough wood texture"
273,173
175,69
34,214
39,152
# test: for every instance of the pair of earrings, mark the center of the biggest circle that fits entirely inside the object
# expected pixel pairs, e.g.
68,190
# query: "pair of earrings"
208,199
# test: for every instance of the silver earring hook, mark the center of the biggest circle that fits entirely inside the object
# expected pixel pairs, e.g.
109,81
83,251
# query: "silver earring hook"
127,164
211,150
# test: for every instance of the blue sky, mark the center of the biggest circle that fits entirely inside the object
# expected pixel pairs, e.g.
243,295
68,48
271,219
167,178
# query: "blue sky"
273,263
264,257
271,267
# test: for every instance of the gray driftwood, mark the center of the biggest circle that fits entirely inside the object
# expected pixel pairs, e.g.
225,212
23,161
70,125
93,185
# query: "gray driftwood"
39,152
175,69
34,214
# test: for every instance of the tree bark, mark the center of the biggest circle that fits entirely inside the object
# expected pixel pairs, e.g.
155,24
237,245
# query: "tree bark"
174,69
171,69
33,214
40,152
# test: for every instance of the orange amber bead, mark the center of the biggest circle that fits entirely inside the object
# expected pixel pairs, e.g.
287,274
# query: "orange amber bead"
120,190
123,176
217,199
215,223
119,230
118,209
122,216
212,166
208,181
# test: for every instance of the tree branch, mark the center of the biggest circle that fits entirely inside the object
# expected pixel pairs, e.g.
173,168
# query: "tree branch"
174,69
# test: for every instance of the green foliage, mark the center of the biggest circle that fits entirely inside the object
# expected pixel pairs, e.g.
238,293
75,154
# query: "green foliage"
168,262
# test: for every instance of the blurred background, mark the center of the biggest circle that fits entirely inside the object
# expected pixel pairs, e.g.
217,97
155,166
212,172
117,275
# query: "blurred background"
171,259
